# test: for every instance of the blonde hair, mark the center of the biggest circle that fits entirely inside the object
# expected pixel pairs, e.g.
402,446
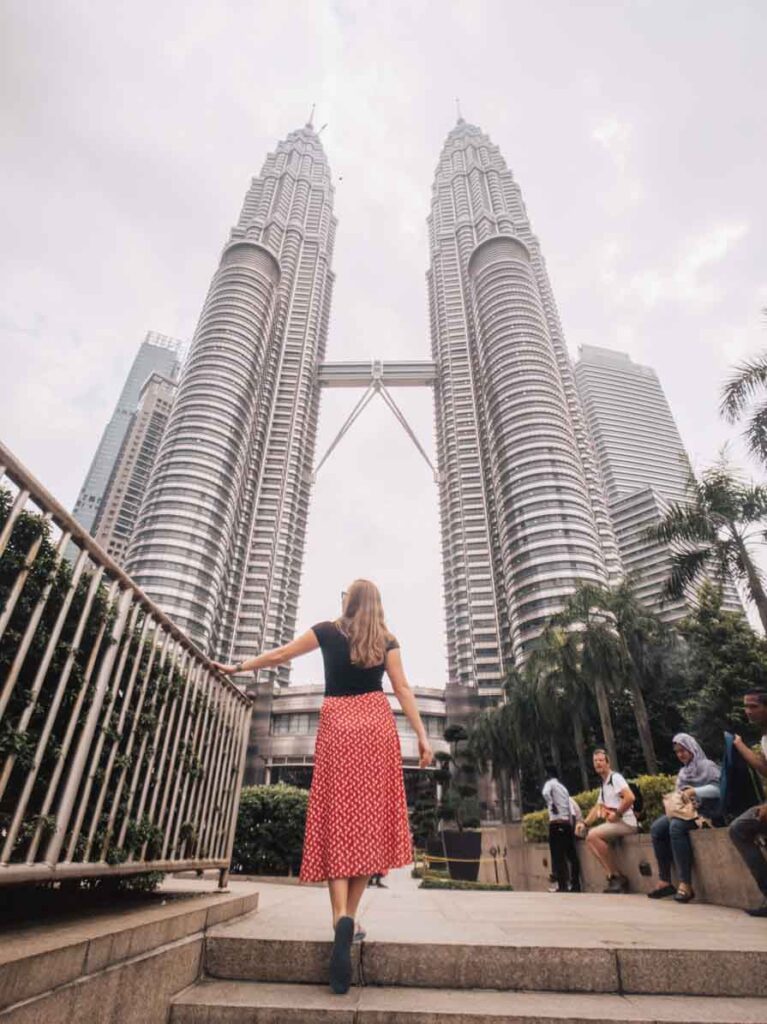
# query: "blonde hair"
362,622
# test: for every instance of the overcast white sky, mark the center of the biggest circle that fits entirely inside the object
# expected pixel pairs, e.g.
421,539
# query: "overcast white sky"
130,132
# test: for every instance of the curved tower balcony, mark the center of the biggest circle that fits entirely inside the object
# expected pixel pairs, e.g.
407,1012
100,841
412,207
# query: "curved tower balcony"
540,492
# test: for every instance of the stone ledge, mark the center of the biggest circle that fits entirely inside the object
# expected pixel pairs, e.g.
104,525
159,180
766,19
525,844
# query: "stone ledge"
719,875
37,958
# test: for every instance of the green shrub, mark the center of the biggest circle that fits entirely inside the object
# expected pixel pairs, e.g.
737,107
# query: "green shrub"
270,830
535,826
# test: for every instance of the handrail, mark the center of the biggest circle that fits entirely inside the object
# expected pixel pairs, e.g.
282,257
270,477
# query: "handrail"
122,749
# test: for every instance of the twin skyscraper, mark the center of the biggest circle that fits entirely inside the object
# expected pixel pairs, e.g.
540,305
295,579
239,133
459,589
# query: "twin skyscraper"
220,539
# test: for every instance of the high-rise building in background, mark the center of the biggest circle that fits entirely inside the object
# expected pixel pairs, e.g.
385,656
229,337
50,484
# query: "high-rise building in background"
116,518
158,353
643,463
220,538
522,509
634,435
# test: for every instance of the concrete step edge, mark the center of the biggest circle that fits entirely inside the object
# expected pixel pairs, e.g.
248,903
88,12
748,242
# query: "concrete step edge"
635,970
247,1002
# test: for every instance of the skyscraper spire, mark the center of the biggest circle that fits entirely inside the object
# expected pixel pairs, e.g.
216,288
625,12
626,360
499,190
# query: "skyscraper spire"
310,121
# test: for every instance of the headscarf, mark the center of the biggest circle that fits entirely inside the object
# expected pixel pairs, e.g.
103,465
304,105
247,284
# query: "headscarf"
698,772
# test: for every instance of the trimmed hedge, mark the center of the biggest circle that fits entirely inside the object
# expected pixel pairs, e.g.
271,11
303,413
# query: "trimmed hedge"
535,826
270,830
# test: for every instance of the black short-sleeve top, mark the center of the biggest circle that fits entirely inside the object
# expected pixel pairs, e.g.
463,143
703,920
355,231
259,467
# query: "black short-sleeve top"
342,678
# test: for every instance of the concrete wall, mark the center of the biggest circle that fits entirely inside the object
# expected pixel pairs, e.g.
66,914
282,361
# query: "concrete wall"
122,967
719,875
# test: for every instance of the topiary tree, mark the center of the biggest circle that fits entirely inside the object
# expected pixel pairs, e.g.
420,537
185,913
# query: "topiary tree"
459,795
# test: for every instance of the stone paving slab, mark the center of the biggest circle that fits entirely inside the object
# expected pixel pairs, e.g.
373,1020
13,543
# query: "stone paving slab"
404,913
228,1002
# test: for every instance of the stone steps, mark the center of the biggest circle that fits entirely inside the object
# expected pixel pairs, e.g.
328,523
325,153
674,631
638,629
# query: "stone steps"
248,1002
482,957
454,965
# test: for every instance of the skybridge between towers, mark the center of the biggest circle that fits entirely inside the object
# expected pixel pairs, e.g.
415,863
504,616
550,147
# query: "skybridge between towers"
376,377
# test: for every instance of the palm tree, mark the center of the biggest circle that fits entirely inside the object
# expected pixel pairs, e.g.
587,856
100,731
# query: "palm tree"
642,637
715,531
492,743
747,384
599,655
561,689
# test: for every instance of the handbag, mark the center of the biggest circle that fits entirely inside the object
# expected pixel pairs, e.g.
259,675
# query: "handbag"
676,805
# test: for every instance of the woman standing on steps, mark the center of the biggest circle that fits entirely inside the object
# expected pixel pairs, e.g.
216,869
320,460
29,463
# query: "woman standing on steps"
357,822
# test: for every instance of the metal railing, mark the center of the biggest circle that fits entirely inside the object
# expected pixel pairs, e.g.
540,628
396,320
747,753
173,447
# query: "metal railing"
121,749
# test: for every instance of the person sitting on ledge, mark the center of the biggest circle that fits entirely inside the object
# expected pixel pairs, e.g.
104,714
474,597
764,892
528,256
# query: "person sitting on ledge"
615,807
698,783
749,831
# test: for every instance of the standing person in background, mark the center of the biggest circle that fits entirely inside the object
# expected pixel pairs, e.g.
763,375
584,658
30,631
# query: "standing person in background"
564,858
357,821
749,831
615,807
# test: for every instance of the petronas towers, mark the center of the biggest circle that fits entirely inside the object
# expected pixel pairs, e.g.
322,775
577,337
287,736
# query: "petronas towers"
221,534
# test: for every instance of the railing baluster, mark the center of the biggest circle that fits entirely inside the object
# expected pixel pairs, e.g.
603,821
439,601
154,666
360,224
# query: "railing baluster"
74,776
243,740
116,742
16,509
85,790
23,576
181,776
194,739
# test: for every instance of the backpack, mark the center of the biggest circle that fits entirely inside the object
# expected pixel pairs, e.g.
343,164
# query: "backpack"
740,788
638,806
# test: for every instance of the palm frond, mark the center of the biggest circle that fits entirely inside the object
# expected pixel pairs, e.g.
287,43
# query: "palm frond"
687,567
744,383
688,523
756,433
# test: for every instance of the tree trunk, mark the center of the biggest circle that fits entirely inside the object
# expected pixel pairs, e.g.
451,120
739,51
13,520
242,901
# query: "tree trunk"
579,748
556,754
504,792
754,582
538,754
643,726
606,721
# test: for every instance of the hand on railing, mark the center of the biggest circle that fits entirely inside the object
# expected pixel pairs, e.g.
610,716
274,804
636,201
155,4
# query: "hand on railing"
227,670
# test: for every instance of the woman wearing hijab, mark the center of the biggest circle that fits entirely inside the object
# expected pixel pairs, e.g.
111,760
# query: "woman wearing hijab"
698,780
357,821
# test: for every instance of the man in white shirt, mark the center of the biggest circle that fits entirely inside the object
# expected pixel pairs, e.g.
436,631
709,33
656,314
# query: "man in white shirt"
561,836
750,830
615,806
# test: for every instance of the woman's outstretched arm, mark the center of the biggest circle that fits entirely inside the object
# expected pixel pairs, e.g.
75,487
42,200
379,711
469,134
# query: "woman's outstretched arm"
404,695
270,659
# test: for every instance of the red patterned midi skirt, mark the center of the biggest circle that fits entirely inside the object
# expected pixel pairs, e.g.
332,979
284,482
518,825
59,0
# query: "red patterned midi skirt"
357,822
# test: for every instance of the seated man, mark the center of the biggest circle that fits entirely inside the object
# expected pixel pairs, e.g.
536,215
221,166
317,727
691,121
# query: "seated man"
615,806
750,830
